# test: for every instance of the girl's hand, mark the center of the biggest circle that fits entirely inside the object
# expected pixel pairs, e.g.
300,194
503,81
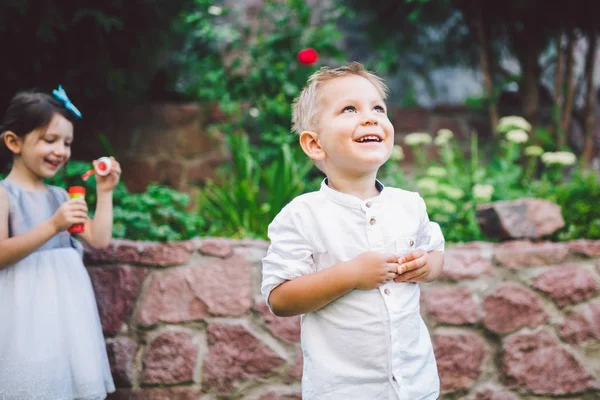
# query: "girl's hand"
107,183
71,212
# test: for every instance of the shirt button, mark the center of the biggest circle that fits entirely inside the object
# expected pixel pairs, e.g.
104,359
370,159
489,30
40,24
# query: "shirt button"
372,221
368,204
411,242
387,292
394,378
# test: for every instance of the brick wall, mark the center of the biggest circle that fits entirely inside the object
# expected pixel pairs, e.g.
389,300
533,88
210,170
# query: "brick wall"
186,321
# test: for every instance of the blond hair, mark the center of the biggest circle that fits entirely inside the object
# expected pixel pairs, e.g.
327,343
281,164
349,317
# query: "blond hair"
305,105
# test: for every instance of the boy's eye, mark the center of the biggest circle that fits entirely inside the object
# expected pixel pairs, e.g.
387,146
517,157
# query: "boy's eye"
349,109
68,144
380,109
49,140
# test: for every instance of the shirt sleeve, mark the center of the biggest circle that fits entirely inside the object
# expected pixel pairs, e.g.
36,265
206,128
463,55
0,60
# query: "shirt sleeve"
289,256
429,231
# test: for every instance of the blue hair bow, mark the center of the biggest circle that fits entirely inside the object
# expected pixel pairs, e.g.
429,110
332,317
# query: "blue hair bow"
61,95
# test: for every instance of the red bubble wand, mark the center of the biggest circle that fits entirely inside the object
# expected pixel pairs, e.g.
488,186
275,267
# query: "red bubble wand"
102,168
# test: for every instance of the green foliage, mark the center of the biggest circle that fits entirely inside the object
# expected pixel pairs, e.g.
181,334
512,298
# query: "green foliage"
578,199
258,83
158,214
255,88
92,48
247,197
446,186
458,179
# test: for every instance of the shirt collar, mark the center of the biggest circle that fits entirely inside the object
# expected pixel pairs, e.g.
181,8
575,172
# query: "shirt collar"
348,200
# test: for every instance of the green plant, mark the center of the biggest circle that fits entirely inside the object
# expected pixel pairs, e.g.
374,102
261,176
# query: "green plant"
578,199
256,86
458,179
247,197
252,73
158,214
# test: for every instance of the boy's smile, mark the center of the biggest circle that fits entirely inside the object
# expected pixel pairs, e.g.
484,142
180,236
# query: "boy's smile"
352,128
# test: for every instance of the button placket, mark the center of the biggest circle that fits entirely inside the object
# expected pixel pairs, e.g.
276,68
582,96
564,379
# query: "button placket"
373,226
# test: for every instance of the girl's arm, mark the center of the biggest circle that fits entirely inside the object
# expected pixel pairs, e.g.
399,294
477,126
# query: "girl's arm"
16,248
98,232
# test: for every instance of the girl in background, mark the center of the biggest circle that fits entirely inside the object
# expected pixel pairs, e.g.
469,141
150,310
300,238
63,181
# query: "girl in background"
51,342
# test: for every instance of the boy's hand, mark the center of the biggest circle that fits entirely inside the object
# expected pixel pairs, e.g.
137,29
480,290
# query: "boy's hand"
107,183
70,212
371,269
414,267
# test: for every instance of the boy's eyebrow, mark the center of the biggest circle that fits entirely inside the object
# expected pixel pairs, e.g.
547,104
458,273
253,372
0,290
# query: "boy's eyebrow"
341,100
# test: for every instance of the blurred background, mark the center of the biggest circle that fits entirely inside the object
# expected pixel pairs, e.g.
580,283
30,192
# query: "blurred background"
497,122
194,95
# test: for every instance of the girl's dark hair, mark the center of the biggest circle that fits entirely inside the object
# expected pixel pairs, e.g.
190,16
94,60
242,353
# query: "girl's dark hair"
28,111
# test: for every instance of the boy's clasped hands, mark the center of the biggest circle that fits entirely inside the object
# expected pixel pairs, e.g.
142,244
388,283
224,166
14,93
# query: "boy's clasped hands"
372,269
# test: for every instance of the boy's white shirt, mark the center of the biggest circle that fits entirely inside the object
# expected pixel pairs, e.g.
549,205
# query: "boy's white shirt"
367,344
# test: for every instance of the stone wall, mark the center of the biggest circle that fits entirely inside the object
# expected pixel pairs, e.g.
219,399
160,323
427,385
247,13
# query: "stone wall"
517,320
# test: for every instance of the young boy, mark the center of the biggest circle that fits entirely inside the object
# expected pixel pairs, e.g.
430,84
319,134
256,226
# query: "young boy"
350,256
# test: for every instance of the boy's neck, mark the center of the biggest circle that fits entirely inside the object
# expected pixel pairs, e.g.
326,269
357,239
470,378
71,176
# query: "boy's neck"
362,187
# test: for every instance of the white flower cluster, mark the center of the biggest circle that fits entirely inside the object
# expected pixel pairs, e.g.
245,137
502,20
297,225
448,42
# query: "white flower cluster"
443,137
505,124
437,172
483,192
451,192
559,158
534,151
397,153
417,138
517,136
215,10
428,185
254,112
442,205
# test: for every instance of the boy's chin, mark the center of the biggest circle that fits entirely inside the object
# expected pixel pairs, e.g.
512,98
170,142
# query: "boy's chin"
371,165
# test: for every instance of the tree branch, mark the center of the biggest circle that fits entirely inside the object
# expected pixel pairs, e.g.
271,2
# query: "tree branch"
558,82
570,95
484,56
590,99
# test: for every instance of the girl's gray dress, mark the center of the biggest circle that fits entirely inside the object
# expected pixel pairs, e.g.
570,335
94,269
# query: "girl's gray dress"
51,343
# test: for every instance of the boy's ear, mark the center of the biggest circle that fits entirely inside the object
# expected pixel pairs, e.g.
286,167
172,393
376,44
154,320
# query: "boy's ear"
12,142
309,141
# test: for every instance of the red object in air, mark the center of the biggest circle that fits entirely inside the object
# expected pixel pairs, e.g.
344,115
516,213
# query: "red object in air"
308,56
